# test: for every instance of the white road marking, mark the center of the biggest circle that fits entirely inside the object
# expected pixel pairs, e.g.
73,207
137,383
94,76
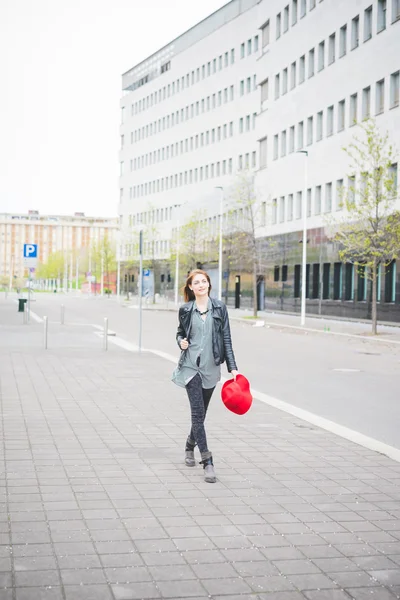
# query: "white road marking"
345,432
36,317
305,415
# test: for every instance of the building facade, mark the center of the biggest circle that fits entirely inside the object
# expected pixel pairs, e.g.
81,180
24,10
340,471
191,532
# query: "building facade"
247,88
52,233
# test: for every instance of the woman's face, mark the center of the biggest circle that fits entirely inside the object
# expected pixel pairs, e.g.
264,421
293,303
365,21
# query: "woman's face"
200,286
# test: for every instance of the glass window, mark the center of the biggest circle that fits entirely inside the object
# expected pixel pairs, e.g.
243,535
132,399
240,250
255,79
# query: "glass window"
284,81
341,115
283,143
380,97
366,103
328,197
264,91
276,146
263,153
278,26
286,19
311,63
394,89
343,41
332,49
329,121
355,32
265,33
277,84
291,139
395,10
293,80
381,24
310,130
300,135
320,117
302,69
294,12
317,201
321,56
368,24
353,109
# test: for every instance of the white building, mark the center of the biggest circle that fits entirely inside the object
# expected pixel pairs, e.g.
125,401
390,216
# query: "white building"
189,119
248,87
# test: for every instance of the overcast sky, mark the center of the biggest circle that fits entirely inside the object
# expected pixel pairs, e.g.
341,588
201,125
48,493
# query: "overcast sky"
61,63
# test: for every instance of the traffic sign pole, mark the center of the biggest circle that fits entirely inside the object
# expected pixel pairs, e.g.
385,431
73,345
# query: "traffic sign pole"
140,286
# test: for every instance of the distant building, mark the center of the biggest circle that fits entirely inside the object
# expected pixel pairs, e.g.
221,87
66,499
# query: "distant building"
52,233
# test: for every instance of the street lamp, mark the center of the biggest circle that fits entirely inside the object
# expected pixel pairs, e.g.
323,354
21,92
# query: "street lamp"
220,242
304,259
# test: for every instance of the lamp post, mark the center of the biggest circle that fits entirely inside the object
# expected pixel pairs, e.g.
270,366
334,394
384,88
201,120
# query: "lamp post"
304,258
221,200
178,243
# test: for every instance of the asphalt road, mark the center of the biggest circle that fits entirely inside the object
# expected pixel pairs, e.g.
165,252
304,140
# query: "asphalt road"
353,382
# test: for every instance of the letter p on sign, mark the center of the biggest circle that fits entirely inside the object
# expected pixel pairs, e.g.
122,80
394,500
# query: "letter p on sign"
30,250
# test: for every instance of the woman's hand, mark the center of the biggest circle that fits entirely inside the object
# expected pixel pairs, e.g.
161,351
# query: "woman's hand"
184,344
234,374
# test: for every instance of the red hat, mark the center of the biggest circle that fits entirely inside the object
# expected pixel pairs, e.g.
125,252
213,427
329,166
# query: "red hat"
236,395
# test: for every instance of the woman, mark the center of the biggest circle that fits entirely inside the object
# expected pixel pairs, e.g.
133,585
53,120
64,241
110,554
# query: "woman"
205,340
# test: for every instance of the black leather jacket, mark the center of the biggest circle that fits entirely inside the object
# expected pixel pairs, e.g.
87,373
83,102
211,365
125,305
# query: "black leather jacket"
221,333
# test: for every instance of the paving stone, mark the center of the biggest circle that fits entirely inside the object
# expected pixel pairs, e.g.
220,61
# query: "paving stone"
387,577
37,578
328,595
87,592
312,581
380,593
28,593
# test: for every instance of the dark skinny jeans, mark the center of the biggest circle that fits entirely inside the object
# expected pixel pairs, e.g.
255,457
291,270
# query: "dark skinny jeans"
199,399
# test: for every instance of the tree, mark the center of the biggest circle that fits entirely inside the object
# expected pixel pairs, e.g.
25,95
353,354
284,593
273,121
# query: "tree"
103,259
54,267
244,219
194,241
369,228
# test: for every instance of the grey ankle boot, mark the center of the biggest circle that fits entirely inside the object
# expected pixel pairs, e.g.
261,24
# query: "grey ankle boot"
209,473
189,458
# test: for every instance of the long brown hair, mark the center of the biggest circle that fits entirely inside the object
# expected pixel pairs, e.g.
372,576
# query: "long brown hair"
188,294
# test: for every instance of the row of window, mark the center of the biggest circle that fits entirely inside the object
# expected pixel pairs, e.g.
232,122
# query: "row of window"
295,74
307,138
190,176
156,248
195,76
190,111
337,281
211,136
283,21
286,209
217,134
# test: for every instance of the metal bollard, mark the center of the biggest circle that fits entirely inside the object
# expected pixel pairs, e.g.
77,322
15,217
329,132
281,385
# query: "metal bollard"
105,334
62,314
25,315
46,325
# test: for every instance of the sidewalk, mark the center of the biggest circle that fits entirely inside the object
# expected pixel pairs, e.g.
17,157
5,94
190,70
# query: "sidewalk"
98,505
281,319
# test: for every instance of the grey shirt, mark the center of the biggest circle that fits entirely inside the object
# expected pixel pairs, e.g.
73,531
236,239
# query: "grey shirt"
199,356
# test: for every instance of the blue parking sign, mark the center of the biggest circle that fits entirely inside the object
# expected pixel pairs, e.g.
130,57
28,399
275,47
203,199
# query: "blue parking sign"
30,250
